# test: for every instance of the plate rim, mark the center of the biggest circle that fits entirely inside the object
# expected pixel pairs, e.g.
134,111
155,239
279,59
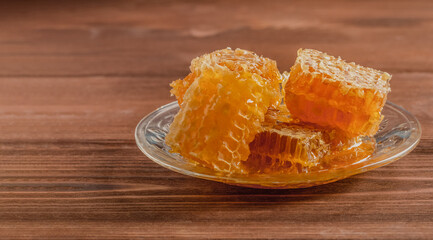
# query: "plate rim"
386,158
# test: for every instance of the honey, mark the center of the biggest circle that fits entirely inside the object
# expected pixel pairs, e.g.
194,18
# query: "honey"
223,107
332,93
286,146
290,146
238,60
231,118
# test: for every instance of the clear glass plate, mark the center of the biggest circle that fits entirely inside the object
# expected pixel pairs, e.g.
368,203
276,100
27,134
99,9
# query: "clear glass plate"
399,133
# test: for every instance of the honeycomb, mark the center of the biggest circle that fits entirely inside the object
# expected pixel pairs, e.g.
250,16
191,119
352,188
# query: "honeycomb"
287,145
231,119
223,103
332,93
235,60
180,86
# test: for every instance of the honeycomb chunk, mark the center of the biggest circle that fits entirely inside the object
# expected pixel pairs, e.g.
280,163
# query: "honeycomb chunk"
287,145
235,60
222,108
332,93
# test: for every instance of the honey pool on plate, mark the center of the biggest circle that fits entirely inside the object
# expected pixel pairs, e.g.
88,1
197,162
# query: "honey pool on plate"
398,134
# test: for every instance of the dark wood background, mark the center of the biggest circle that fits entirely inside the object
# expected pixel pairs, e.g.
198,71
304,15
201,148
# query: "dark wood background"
77,76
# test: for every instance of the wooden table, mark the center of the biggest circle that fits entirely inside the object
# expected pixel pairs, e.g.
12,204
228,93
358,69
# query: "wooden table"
77,76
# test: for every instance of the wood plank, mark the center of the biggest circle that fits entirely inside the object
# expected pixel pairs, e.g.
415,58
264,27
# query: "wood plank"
76,77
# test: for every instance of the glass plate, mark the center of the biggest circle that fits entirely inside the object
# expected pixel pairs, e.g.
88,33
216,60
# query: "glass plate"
398,134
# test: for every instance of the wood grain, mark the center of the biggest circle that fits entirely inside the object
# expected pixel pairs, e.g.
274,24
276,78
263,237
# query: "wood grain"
77,76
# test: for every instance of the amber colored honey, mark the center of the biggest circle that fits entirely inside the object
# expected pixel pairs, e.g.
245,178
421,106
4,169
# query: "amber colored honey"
286,145
231,121
353,123
329,92
272,152
285,149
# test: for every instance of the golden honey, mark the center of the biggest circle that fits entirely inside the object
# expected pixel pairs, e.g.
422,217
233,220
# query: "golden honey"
231,120
223,107
234,60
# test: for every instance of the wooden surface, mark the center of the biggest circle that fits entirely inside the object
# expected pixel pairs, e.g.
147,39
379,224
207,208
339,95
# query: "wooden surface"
77,76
